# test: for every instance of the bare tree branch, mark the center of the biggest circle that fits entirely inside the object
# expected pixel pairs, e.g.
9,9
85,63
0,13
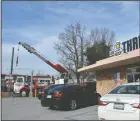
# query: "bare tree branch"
69,46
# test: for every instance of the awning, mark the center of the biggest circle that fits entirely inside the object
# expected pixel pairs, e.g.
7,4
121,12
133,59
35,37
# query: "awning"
120,60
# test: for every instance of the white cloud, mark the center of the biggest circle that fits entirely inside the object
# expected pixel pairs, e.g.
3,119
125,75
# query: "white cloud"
130,7
82,12
38,37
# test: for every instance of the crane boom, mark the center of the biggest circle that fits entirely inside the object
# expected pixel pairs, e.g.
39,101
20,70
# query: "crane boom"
30,49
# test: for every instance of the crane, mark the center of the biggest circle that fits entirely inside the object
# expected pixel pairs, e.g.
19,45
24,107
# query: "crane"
59,68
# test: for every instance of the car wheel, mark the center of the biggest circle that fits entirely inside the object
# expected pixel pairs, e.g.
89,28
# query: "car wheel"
39,97
42,104
73,104
51,107
23,93
98,98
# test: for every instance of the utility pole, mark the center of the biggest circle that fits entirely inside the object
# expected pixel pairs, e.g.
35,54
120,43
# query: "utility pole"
10,84
12,60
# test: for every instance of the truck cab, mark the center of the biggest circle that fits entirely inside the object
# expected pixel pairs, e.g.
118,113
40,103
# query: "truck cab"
21,86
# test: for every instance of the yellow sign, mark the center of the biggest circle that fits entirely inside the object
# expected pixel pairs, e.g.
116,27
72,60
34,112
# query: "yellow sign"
118,46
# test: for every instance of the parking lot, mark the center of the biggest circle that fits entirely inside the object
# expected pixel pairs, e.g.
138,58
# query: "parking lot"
30,109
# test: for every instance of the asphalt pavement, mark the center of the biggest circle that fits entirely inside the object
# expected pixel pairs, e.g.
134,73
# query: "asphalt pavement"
30,109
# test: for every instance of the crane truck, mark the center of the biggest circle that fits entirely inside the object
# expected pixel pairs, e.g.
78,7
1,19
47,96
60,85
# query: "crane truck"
62,79
64,75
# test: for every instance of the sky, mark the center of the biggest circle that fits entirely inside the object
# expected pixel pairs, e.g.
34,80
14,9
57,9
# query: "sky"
39,24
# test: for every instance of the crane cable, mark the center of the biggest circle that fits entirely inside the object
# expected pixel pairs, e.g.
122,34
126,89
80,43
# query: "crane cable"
17,56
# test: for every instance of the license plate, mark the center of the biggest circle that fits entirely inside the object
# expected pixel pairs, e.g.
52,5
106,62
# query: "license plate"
49,96
119,106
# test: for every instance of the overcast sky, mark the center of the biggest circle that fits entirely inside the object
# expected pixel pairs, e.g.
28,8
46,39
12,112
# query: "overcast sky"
39,24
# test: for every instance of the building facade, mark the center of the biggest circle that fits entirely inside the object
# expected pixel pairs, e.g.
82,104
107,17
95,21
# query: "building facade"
123,66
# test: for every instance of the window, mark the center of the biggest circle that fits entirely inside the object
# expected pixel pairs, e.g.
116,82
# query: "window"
51,86
133,74
20,80
42,81
59,88
79,88
129,70
138,69
126,89
137,77
116,77
47,80
130,78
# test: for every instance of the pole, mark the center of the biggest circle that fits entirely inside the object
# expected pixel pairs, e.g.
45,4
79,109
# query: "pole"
31,84
10,84
12,61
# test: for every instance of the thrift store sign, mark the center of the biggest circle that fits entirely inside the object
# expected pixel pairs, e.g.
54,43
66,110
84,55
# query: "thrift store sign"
126,46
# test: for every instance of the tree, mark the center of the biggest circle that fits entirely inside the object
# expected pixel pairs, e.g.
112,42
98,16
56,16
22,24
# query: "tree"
70,48
101,42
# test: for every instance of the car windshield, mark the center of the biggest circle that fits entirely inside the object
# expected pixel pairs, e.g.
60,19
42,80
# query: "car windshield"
126,89
20,80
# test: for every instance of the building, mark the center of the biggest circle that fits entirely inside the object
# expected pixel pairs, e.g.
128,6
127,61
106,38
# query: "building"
40,80
122,67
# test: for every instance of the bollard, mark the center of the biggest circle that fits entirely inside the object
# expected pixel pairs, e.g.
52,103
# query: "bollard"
5,94
35,92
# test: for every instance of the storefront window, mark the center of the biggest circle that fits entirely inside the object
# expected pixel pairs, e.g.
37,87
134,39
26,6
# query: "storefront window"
138,69
130,78
137,77
133,74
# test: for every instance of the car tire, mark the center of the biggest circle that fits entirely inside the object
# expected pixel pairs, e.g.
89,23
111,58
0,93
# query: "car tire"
24,93
39,97
98,98
73,104
51,107
42,104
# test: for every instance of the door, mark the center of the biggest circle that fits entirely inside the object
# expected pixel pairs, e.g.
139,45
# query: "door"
137,77
81,95
18,84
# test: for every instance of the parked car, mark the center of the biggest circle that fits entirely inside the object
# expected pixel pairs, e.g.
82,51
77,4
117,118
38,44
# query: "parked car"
40,93
3,88
70,96
44,91
121,103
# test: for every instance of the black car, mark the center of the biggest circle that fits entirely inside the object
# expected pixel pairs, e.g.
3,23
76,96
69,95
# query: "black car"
70,96
44,91
3,88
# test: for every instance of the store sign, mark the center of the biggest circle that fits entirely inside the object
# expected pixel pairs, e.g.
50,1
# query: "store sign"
126,46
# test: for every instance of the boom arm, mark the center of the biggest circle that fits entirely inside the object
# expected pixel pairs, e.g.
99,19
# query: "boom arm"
30,49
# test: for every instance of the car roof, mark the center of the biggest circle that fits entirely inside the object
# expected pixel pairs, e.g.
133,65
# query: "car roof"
66,85
132,83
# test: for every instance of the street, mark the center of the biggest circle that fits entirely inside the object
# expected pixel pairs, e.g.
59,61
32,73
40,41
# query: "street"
30,109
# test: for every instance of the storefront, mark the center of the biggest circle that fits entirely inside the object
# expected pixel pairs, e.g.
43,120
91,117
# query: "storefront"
122,67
